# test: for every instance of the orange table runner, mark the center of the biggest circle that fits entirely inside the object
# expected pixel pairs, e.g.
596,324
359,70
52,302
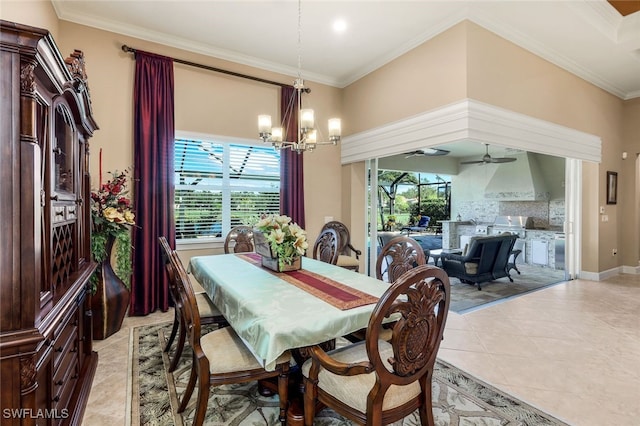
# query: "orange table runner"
336,294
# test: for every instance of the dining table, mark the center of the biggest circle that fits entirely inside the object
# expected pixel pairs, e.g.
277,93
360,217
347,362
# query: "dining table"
275,312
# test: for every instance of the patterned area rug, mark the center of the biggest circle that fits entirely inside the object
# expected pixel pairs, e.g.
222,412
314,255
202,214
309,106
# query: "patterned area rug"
459,399
467,297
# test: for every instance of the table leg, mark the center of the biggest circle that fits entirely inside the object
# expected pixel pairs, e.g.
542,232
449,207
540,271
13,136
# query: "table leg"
267,387
295,412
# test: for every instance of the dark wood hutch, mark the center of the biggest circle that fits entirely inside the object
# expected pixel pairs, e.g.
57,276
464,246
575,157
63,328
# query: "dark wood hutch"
47,362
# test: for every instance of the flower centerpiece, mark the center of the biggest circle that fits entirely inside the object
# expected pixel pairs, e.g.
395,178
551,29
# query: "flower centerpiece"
280,242
111,219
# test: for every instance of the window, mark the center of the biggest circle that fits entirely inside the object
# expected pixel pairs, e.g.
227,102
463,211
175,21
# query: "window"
219,185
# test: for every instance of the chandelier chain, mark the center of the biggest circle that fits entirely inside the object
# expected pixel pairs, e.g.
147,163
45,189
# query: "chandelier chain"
306,134
299,39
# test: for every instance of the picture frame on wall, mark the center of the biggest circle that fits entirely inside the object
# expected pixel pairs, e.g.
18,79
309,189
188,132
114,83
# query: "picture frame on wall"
612,187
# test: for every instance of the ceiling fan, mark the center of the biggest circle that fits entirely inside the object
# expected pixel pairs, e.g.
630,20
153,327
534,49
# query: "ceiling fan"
427,152
486,159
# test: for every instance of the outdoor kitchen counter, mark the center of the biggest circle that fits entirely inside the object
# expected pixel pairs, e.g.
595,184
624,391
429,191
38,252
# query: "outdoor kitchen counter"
540,246
451,231
540,241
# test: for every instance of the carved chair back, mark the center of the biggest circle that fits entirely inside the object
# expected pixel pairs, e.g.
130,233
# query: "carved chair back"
325,248
419,303
166,252
344,237
398,256
240,239
210,367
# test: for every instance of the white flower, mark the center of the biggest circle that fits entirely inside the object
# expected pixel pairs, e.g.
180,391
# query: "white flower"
282,220
277,236
264,222
301,244
286,238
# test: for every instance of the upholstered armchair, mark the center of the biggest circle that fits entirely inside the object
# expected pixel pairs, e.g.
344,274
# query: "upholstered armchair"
485,259
326,247
379,381
345,249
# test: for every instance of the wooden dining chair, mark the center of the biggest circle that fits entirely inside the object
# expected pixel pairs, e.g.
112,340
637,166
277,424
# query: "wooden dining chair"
345,249
220,357
377,382
209,313
325,248
398,256
240,240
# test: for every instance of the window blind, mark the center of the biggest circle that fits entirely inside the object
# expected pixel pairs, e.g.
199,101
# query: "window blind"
220,185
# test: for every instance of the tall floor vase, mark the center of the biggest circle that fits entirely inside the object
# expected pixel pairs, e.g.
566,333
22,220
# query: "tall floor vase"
110,302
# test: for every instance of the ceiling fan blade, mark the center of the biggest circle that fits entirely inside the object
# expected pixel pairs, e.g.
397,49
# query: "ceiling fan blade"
430,152
436,152
488,159
503,160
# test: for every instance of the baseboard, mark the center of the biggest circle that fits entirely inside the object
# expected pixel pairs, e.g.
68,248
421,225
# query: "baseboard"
600,276
631,270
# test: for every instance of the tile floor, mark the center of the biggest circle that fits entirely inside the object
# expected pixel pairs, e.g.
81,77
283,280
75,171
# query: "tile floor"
572,350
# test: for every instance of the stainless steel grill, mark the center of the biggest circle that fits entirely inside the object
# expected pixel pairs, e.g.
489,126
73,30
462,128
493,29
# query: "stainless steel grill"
513,224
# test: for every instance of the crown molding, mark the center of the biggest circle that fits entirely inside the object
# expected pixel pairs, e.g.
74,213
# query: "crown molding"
600,14
471,120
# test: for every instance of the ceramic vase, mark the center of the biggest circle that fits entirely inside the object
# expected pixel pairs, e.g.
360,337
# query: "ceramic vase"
110,302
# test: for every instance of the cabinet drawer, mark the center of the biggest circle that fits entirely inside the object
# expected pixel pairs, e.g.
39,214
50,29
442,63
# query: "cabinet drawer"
67,342
64,383
71,212
58,214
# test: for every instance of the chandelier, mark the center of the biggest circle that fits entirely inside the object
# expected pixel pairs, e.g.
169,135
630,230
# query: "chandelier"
307,135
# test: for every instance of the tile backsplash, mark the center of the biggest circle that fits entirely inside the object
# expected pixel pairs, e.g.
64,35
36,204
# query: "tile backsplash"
544,213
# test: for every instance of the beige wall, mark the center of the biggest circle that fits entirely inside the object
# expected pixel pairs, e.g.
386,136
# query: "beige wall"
463,62
469,61
629,185
205,102
429,76
37,13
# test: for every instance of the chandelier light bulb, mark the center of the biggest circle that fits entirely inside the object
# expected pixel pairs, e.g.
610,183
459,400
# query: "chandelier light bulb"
306,138
306,118
335,128
276,134
312,137
264,123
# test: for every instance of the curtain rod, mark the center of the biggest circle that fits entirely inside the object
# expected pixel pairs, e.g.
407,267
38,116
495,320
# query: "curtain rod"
128,49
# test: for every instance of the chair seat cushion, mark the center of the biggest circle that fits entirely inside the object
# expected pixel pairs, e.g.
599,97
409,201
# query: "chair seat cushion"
344,260
197,287
206,308
471,267
353,390
227,353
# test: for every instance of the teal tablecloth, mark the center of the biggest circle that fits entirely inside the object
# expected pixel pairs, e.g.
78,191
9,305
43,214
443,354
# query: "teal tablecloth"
273,316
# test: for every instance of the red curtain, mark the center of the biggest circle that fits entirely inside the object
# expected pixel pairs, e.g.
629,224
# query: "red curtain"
153,172
291,163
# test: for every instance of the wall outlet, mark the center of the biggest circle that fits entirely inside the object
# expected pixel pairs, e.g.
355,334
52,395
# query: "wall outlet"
605,218
614,252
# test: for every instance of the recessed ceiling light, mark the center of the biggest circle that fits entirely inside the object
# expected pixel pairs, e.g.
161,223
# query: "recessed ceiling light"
339,25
